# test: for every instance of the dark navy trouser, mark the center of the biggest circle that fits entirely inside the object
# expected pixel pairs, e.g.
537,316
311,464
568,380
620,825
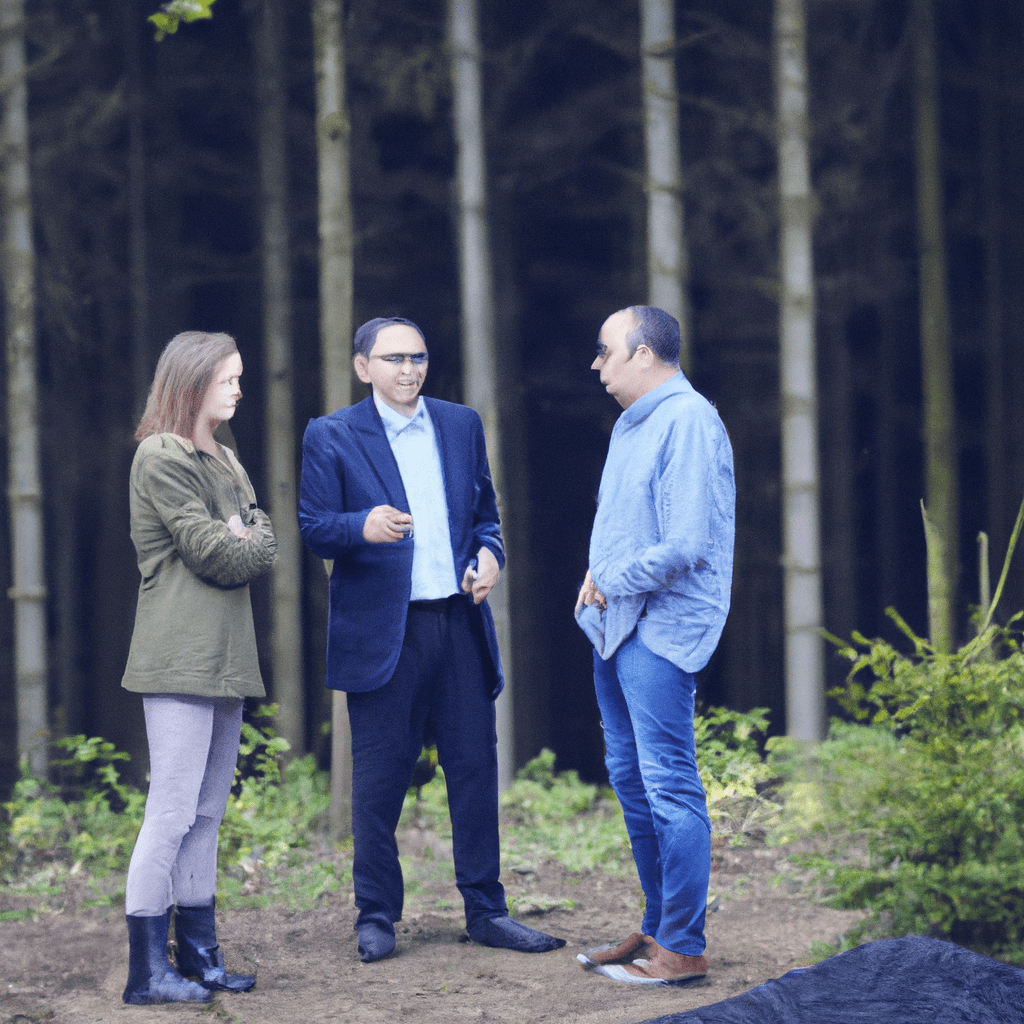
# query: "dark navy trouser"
439,686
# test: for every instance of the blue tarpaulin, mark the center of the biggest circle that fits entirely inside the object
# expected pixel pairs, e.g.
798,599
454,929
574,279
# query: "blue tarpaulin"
913,980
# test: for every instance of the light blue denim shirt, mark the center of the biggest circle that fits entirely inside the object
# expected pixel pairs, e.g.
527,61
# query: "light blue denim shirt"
662,546
415,448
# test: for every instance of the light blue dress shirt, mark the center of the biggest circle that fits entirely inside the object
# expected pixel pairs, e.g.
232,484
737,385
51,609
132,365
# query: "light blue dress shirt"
661,550
415,448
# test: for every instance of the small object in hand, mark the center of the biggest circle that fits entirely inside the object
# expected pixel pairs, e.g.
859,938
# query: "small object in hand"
470,577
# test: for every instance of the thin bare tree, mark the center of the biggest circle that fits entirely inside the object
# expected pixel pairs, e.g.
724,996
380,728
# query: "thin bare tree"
142,355
479,363
804,657
941,498
286,640
25,497
333,139
997,379
667,265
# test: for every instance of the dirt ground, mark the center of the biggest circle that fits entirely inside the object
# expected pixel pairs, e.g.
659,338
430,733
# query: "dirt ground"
71,967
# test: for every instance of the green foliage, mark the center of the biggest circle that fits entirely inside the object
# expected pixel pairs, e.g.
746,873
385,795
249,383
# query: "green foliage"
735,776
541,794
728,740
85,825
554,815
90,818
273,818
545,815
919,802
176,11
273,845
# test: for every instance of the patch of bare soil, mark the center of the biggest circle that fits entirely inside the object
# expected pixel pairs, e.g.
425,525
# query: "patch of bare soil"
71,967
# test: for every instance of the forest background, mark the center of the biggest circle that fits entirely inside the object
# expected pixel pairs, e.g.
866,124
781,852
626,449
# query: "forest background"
147,206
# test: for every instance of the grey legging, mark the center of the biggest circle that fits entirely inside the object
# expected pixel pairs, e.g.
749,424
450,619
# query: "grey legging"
193,749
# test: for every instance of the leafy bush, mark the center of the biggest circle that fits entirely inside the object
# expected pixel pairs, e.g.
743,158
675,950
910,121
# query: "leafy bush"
272,811
272,819
555,815
541,794
273,844
736,778
86,824
90,818
920,800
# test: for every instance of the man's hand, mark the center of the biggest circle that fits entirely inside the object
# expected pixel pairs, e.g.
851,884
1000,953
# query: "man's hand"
385,525
479,581
589,594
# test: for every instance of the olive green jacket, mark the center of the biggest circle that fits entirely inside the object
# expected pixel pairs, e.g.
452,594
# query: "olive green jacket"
194,631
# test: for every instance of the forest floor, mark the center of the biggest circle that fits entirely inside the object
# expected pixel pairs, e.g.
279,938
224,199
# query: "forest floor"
70,966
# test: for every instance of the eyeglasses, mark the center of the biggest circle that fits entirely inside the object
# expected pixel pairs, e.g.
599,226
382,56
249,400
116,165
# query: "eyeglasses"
399,358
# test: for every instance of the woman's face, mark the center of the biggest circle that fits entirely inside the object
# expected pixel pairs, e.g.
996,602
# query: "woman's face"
223,393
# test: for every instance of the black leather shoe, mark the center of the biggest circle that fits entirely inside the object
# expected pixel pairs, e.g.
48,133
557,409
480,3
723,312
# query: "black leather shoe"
506,933
376,941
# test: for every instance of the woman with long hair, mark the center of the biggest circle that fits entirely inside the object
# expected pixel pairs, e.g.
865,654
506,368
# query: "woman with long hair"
200,540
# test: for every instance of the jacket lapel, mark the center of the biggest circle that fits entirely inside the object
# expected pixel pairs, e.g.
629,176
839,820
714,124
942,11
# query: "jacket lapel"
452,461
368,433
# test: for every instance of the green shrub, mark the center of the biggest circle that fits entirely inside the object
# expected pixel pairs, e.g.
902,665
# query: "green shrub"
554,815
273,844
87,822
271,811
920,800
90,819
580,825
736,778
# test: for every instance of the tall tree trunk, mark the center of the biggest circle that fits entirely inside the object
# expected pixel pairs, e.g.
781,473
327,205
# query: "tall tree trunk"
24,486
667,271
142,354
805,679
479,363
333,139
286,636
941,497
998,505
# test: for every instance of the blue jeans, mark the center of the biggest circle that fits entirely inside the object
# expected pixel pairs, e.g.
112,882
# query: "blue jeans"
646,707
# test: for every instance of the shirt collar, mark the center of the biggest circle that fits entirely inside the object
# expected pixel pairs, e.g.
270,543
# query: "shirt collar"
394,422
646,403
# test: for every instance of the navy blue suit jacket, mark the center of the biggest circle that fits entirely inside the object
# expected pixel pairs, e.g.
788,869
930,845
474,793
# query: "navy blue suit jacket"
348,469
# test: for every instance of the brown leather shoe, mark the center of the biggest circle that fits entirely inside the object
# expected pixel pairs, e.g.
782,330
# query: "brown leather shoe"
668,966
660,967
625,952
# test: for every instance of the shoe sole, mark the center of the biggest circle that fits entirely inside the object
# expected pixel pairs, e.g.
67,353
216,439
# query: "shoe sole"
618,972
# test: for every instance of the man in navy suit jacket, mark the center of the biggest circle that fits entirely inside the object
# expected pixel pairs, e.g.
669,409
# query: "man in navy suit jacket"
396,490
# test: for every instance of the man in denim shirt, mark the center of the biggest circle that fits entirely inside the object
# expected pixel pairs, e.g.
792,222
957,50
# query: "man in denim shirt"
653,603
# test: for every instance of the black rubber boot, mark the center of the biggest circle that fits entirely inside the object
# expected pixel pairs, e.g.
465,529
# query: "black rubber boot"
199,955
151,978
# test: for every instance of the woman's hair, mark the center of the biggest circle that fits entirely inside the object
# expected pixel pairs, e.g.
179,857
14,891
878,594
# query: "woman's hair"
183,374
